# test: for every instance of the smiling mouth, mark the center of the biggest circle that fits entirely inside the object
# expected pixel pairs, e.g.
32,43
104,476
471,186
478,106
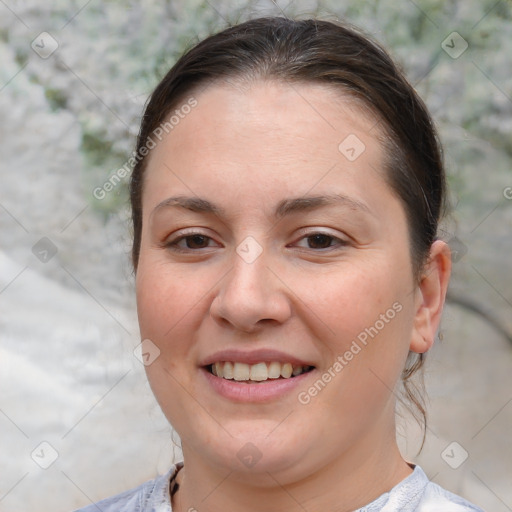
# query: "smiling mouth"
259,372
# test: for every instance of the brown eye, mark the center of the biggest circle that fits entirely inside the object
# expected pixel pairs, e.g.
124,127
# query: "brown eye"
192,242
319,241
196,241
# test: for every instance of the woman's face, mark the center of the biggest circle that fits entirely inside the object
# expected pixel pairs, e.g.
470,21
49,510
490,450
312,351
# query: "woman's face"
285,247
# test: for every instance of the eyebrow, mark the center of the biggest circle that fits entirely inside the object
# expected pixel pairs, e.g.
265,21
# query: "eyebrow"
284,208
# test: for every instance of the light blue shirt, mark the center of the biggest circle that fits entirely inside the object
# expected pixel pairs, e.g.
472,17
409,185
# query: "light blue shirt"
416,493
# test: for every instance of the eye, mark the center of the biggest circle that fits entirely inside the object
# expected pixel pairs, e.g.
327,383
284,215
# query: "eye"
322,241
189,242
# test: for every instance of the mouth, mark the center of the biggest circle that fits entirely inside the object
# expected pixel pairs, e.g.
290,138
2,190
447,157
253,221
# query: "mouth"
256,373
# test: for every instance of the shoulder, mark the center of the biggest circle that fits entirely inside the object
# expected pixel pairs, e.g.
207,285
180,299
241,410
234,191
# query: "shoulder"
151,496
418,494
436,498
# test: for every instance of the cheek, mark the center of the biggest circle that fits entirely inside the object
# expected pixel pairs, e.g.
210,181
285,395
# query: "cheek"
350,301
164,305
164,299
172,305
369,314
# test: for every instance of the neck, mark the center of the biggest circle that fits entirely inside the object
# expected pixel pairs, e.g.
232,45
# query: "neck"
348,482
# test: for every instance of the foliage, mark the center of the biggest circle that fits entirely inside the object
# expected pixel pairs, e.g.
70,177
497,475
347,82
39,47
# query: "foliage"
111,54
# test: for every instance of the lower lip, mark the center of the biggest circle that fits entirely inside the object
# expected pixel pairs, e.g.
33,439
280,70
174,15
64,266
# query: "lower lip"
258,392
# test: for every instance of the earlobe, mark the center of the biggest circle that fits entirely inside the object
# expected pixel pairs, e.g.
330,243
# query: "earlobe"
430,297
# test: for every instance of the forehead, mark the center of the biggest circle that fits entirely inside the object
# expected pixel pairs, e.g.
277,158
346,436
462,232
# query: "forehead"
313,111
266,135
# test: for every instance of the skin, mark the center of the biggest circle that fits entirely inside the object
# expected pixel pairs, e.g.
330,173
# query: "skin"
246,148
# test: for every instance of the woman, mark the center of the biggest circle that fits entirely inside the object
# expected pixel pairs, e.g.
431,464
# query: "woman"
286,195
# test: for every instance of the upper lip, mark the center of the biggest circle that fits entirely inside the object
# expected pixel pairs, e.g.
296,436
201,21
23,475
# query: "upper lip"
253,357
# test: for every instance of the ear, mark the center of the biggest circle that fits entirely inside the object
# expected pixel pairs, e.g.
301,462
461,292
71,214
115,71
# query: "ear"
430,297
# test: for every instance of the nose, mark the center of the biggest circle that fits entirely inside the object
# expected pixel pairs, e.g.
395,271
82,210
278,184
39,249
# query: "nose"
251,296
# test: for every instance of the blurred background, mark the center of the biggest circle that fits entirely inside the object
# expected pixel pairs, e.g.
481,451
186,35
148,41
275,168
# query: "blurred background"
77,419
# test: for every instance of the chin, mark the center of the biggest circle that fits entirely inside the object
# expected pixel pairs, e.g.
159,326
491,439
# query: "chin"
250,455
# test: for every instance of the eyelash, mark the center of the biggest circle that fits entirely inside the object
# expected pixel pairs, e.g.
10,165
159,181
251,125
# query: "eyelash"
173,244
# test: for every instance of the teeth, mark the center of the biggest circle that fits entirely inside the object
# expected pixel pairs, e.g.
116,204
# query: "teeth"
256,372
259,372
286,370
297,370
274,370
227,371
241,371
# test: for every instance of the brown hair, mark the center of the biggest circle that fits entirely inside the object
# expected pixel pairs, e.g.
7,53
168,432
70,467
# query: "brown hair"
340,56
